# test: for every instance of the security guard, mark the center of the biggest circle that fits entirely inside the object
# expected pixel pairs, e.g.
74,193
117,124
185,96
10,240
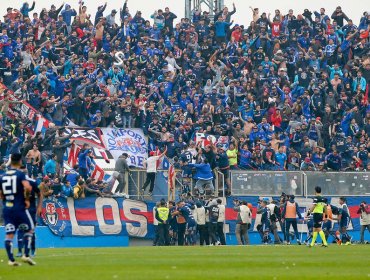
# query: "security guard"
290,212
162,214
318,208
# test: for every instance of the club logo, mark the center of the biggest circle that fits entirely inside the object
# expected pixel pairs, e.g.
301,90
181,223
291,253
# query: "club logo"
51,213
54,215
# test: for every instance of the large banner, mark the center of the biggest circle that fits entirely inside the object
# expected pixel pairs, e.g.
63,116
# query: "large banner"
98,216
102,157
117,216
130,141
23,111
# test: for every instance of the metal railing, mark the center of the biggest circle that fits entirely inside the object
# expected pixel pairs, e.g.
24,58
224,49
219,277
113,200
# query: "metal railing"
136,179
339,183
299,183
257,183
266,183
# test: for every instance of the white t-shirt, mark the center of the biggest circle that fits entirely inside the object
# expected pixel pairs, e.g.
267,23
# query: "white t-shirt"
151,164
221,213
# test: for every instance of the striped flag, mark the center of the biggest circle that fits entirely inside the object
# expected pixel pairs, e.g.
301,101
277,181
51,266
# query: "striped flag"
171,178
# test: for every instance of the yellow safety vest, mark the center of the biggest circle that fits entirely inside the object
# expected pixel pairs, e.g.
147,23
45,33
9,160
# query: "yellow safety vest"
163,213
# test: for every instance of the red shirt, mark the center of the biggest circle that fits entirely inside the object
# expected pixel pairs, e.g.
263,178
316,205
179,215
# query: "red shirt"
275,29
276,119
236,34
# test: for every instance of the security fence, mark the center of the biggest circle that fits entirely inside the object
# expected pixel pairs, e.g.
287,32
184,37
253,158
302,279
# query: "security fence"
339,183
273,183
183,186
299,183
257,183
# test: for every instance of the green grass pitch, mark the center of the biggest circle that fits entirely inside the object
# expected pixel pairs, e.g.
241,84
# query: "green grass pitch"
228,262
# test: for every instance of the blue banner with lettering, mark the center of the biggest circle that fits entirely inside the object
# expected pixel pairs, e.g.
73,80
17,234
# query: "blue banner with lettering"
96,216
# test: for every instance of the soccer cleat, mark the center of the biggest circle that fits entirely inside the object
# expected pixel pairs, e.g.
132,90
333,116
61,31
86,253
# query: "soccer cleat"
339,242
19,254
324,245
299,242
13,263
28,260
348,243
218,243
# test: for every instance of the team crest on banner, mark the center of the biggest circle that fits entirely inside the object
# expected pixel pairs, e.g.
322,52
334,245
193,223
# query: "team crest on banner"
130,141
54,215
51,213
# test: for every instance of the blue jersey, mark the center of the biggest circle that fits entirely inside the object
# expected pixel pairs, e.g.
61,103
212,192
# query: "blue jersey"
213,213
266,214
13,189
245,157
187,214
186,157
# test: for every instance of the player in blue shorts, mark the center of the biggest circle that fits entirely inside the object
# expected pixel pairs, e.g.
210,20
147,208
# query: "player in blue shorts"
34,209
15,192
309,218
343,221
191,225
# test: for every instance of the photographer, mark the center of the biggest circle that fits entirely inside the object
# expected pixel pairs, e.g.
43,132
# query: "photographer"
364,212
243,222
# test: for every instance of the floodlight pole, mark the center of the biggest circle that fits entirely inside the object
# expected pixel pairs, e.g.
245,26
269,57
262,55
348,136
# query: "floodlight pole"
205,5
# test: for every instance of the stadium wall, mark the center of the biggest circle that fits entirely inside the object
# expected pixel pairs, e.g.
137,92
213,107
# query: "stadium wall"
96,222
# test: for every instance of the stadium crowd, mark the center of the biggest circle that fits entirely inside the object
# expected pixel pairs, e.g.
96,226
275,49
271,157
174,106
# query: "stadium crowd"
290,91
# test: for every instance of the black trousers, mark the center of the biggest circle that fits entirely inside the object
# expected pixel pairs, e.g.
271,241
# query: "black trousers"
181,228
207,233
202,234
164,239
292,222
156,236
150,179
212,230
220,232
